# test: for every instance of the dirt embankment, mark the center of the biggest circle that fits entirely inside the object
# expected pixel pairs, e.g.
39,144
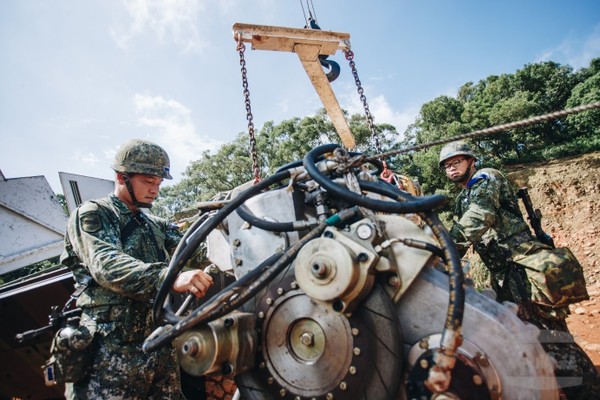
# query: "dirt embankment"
567,192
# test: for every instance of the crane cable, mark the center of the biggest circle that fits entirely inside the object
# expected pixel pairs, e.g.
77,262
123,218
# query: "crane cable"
489,131
312,14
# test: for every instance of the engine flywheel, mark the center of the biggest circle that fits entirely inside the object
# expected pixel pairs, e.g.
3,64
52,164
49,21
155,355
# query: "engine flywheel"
310,351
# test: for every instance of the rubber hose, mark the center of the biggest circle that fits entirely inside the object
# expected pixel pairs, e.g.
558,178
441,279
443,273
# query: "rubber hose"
411,206
450,254
272,226
198,236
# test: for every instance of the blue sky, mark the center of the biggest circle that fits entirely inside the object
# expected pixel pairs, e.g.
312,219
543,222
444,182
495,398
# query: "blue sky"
79,77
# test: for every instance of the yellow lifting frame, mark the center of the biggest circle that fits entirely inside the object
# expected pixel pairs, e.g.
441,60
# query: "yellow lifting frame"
309,44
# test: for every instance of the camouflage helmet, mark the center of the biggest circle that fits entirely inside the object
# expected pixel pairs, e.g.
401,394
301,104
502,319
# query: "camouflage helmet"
455,149
142,157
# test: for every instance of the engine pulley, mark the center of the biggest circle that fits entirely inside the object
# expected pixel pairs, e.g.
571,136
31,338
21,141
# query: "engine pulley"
338,267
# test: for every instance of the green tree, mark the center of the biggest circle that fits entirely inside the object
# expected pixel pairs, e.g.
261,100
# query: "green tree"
29,270
585,126
276,145
535,89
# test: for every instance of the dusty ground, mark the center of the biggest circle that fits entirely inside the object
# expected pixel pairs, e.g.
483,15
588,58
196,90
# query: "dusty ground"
567,192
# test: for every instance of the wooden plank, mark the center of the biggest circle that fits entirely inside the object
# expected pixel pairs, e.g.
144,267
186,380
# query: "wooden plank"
309,44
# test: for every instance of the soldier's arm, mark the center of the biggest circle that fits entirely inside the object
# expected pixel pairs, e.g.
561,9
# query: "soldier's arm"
480,214
462,244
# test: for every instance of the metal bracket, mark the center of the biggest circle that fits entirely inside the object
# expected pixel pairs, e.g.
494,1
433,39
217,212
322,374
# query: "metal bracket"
309,44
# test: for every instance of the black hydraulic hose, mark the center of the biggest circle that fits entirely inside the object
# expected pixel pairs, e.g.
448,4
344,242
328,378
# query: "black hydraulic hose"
452,333
242,290
376,162
197,236
419,244
293,164
182,243
451,257
209,311
272,226
419,204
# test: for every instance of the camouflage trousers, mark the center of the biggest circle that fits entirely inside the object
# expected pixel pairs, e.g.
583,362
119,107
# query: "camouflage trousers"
124,371
575,372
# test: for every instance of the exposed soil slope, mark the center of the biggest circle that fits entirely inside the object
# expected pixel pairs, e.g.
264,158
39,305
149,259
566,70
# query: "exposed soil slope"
567,192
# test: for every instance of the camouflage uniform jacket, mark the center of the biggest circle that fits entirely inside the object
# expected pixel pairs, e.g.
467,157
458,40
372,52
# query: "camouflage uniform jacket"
127,272
127,262
487,216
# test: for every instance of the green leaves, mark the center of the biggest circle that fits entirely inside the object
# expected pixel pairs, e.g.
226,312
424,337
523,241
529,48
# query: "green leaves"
535,89
277,145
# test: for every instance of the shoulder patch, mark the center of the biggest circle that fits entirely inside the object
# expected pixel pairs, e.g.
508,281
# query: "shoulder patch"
90,222
475,179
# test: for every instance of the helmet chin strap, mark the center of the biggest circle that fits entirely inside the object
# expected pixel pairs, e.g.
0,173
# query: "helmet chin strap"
464,178
135,201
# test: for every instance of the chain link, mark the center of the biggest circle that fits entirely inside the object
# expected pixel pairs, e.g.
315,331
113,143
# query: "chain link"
350,57
254,155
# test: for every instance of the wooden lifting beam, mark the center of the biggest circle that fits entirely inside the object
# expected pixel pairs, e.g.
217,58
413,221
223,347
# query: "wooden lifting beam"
309,44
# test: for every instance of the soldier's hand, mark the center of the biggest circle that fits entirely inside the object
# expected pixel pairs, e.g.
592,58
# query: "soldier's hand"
197,282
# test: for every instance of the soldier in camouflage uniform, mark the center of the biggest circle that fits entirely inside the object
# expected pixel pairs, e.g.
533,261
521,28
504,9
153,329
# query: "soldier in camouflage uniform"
487,217
126,252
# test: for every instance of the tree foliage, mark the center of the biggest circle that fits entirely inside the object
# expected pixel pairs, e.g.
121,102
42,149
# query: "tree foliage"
535,89
276,145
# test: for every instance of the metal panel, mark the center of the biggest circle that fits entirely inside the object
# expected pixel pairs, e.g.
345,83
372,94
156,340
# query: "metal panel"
32,222
79,188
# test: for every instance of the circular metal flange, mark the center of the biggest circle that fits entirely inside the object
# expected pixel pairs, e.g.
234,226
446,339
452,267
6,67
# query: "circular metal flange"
310,351
473,376
308,347
326,269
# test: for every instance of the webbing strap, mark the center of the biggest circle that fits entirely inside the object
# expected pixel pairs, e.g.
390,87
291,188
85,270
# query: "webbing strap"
139,220
135,222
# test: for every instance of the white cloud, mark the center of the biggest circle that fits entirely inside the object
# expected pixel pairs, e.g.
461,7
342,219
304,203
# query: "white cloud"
175,129
575,52
284,105
381,110
173,21
89,159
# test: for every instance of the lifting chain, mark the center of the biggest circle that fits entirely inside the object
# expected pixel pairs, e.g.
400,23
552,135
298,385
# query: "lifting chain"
255,169
386,174
350,57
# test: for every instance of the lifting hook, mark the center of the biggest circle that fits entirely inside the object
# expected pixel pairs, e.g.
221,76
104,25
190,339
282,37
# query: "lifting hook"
332,67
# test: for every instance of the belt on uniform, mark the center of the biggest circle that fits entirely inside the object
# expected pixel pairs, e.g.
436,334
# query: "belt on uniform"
517,239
